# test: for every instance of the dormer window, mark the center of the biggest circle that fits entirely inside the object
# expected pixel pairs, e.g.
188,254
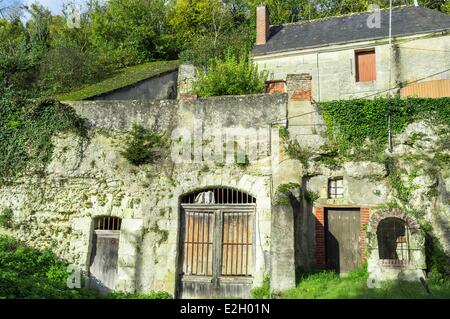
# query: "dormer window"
336,188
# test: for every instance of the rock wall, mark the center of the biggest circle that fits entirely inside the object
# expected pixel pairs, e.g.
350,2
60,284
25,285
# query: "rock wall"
92,178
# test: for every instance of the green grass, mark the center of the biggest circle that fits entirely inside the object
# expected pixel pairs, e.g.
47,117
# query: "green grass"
328,285
27,273
120,79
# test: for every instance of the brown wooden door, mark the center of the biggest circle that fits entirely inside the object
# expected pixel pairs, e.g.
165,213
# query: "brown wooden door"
342,240
104,257
217,251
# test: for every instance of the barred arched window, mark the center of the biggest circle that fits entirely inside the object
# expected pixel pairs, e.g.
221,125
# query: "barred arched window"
393,236
218,196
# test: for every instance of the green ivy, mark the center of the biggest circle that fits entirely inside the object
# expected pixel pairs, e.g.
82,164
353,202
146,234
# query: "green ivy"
26,131
353,123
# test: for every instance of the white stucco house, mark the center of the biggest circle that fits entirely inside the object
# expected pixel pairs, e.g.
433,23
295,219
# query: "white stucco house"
351,56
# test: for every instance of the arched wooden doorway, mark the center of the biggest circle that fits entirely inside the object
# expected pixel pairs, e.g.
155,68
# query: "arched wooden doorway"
216,244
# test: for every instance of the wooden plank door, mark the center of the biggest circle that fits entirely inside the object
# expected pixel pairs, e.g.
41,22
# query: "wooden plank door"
342,240
104,259
217,252
237,244
198,228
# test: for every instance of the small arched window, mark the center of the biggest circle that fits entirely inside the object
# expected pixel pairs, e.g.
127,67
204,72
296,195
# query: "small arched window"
393,236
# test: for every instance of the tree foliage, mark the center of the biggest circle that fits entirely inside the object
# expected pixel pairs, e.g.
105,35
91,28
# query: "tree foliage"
28,273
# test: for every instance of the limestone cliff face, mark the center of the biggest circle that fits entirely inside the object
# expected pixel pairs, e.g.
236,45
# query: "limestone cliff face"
90,179
423,155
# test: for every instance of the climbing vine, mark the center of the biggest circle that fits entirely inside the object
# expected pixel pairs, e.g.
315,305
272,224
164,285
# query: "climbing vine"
26,131
351,124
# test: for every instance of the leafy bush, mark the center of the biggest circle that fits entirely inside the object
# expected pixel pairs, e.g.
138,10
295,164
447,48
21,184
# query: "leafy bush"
6,216
311,196
283,193
204,47
150,295
28,273
230,76
144,146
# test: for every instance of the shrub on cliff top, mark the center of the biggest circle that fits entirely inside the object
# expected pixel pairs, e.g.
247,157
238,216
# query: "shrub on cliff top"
230,76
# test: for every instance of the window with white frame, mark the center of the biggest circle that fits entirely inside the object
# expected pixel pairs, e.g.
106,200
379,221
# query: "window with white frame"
336,187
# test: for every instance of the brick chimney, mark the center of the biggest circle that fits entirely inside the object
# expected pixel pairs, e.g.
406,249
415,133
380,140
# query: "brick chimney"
262,25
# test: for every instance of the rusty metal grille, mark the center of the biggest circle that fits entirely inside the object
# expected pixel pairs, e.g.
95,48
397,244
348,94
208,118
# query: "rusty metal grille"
107,223
237,243
198,243
393,236
220,196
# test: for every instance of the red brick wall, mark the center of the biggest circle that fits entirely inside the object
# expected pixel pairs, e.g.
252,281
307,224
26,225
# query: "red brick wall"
364,220
320,237
299,87
276,87
303,94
